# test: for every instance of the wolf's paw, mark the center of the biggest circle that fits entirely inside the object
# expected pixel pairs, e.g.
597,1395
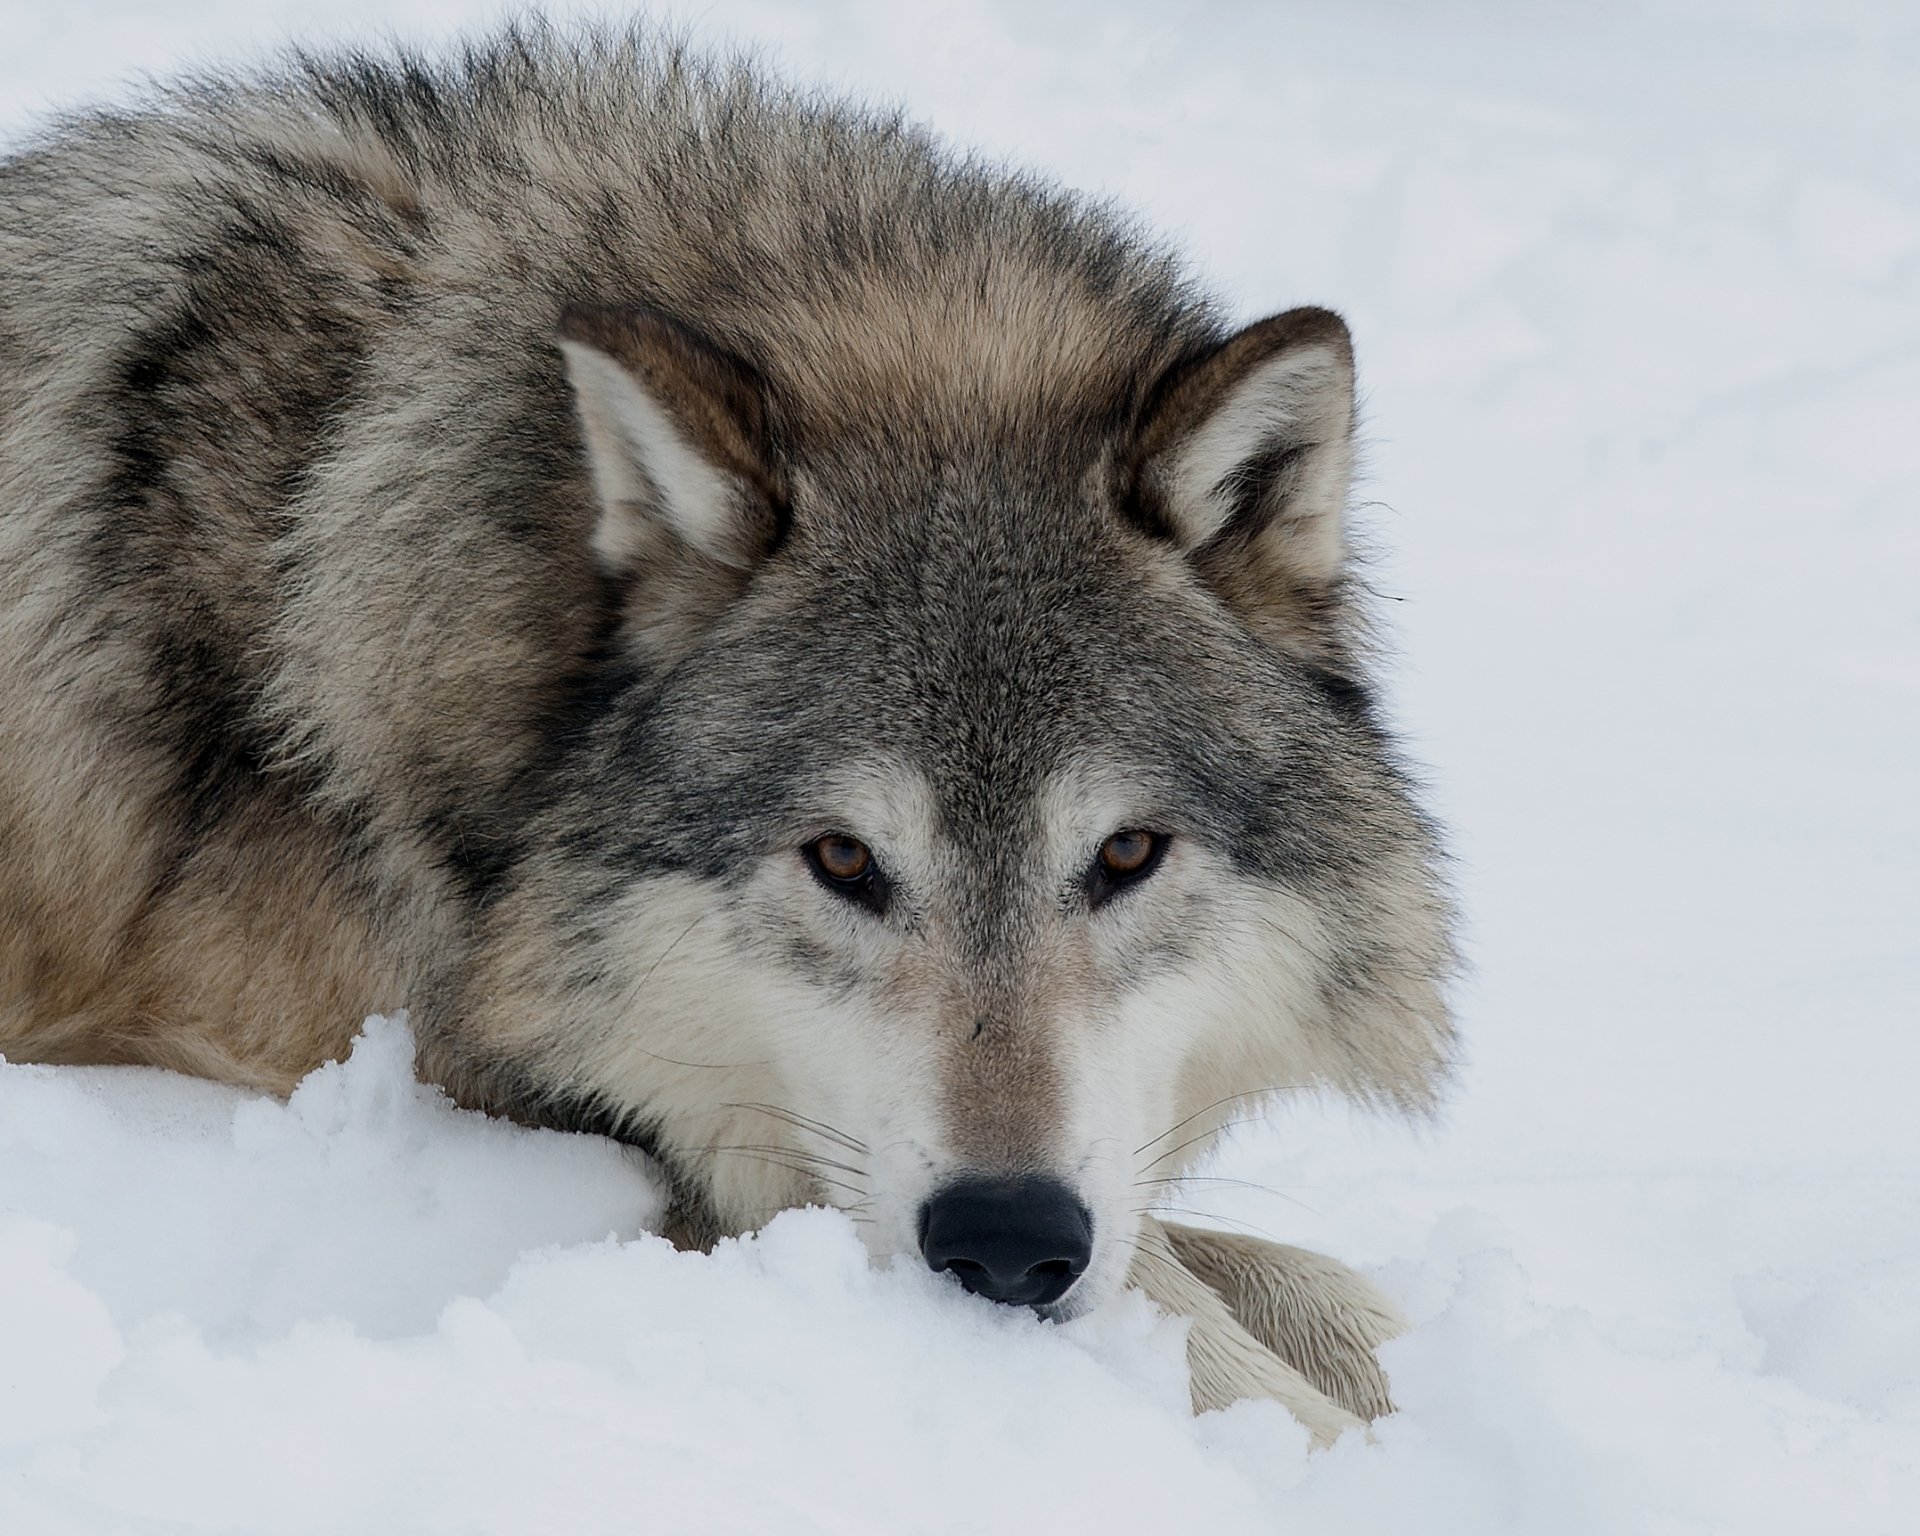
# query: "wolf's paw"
1226,1362
1317,1315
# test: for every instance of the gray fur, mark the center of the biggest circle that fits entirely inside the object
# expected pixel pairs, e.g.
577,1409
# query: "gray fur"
360,649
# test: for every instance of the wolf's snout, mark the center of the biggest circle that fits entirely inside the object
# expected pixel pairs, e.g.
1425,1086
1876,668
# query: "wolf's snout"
1021,1241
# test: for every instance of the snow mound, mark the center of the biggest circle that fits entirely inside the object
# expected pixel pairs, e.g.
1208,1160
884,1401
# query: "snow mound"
366,1197
367,1310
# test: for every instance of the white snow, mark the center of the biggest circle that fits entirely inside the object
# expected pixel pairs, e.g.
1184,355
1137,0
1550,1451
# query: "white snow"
1636,292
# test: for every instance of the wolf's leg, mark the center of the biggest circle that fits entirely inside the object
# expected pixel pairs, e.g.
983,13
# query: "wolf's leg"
1227,1362
1317,1315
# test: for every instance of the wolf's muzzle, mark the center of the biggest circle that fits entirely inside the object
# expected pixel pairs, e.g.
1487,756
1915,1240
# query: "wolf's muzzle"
1021,1241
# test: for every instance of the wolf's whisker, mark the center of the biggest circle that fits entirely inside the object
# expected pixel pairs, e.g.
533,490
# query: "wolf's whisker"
1250,1093
1168,1191
1248,1227
804,1123
811,1159
1224,1126
641,985
800,1168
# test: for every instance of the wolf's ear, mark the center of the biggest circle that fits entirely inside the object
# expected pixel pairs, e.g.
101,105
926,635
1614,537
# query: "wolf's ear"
1244,460
677,438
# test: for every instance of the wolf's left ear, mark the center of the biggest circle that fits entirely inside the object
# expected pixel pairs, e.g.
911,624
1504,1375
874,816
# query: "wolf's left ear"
1244,460
678,441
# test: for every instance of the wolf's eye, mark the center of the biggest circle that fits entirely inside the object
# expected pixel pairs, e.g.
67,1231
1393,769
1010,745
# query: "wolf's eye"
846,866
1127,853
842,858
1125,859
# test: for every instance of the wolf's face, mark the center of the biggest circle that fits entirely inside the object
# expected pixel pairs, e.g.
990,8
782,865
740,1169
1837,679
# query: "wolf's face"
975,837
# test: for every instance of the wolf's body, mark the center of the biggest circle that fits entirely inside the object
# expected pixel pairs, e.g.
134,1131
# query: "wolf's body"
470,537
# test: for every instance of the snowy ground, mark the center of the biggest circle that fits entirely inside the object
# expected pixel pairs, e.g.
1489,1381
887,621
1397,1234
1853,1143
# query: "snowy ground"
1637,296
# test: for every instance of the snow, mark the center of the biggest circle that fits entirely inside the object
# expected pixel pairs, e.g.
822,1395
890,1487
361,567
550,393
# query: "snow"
1637,299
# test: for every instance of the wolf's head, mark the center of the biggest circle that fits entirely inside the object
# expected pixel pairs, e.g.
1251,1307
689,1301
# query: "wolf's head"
985,803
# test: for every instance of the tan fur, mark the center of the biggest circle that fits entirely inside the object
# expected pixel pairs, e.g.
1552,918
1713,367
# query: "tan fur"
339,600
1317,1315
1228,1361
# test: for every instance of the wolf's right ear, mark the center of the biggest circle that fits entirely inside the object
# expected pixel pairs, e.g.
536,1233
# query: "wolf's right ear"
1243,459
677,438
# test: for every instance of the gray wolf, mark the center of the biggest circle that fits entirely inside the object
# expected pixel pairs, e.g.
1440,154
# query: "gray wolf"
825,660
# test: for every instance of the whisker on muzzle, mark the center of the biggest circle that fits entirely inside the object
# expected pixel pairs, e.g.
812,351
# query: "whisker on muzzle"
802,1122
1178,1125
795,1154
1167,1180
1194,1141
792,1162
1247,1227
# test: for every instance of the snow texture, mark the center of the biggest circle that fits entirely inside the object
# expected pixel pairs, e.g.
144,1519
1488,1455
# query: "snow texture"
1636,291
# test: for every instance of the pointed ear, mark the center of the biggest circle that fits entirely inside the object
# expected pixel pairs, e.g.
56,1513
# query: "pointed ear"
677,438
1244,460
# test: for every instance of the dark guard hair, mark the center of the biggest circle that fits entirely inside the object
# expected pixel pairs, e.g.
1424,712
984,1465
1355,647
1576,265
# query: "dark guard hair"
469,527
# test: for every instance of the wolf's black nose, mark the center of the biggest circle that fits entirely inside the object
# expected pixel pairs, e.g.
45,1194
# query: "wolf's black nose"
1021,1241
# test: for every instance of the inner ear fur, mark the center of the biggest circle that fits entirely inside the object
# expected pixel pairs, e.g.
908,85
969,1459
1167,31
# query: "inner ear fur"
1244,459
679,439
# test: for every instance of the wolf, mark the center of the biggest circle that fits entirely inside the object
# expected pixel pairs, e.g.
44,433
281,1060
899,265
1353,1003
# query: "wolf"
824,659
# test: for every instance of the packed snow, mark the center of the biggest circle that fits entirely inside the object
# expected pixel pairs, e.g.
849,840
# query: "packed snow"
1636,292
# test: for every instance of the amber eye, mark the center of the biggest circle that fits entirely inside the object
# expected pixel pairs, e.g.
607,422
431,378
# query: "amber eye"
1125,859
1128,853
847,867
841,858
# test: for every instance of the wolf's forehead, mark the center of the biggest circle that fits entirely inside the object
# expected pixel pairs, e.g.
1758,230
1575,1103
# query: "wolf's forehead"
1005,639
997,693
1006,615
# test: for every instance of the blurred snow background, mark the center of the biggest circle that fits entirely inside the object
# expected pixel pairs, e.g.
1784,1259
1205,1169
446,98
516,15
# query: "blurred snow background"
1636,291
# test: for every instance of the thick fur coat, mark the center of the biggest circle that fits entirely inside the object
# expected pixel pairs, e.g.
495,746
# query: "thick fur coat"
476,536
